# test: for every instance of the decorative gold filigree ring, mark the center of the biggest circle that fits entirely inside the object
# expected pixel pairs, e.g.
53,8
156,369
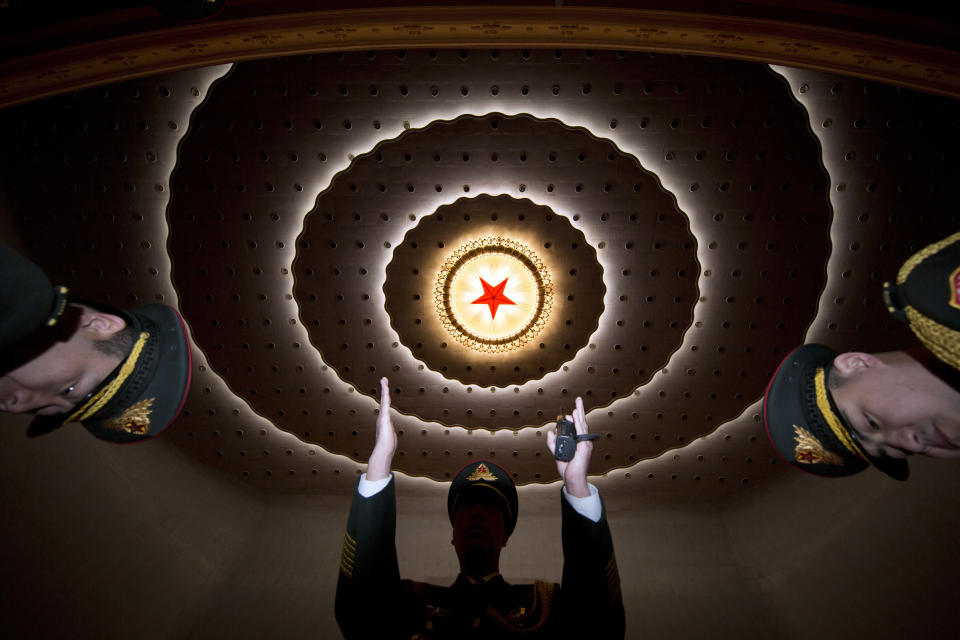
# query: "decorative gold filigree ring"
493,295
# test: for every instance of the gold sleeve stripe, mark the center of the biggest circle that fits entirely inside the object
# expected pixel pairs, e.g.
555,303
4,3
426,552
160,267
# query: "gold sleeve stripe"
95,403
348,541
349,546
613,578
833,421
347,555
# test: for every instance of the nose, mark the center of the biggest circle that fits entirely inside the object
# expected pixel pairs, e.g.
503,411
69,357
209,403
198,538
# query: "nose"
15,400
909,439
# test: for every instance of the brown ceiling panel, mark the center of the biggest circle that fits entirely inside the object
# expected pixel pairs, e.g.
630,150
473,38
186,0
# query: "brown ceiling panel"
665,291
420,309
892,156
751,183
213,195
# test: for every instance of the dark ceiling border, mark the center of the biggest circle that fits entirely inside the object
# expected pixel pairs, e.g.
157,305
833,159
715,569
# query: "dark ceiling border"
898,62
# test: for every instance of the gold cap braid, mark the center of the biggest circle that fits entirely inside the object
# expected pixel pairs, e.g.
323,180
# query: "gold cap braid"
923,254
941,340
95,403
832,419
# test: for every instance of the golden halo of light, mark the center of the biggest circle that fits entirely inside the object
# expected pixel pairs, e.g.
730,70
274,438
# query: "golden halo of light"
495,260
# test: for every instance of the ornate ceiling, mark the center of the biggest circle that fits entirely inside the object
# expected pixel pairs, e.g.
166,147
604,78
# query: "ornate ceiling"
697,219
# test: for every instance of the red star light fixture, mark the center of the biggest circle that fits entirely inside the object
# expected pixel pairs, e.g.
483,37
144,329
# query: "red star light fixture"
493,297
482,316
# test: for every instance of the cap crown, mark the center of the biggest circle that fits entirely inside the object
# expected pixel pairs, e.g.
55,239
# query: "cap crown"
487,476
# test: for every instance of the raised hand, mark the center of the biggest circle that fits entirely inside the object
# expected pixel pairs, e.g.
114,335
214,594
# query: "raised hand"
378,467
574,472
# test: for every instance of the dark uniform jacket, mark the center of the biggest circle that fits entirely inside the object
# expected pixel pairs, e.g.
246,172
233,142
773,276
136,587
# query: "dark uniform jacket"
373,602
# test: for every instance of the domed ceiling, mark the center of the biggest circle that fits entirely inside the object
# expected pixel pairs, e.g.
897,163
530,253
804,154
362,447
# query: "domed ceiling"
660,229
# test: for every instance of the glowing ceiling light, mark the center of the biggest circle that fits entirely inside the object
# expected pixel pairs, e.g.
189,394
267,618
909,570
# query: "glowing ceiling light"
493,295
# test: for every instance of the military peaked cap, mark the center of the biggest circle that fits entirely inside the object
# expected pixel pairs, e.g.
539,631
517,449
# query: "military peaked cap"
483,475
139,398
804,424
28,301
926,295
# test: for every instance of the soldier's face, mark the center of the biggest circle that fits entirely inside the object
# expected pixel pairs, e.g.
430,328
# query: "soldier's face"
62,375
479,522
897,407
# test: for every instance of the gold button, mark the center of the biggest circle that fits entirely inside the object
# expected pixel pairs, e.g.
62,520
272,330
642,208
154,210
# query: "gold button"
476,622
429,625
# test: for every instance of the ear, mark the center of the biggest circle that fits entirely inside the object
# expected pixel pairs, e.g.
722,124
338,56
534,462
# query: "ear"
100,325
855,362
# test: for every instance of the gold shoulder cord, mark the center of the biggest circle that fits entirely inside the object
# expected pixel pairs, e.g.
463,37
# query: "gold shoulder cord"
95,403
939,339
833,421
542,598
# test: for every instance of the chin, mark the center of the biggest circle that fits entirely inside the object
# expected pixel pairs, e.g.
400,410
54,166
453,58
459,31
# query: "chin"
49,412
943,453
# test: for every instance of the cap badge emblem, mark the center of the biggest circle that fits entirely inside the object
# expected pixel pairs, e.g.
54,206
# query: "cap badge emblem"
955,289
135,419
809,450
481,473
